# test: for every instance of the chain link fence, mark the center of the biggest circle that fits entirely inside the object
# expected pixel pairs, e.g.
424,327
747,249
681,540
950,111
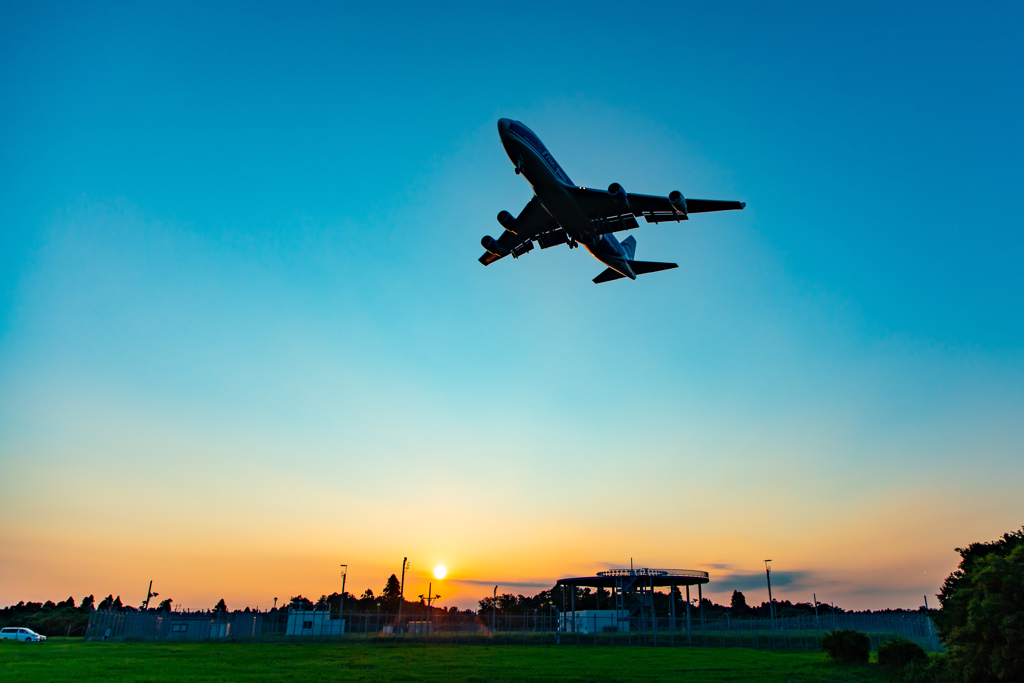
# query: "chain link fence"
787,633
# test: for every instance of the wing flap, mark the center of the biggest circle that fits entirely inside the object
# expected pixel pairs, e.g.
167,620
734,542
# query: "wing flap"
533,220
609,224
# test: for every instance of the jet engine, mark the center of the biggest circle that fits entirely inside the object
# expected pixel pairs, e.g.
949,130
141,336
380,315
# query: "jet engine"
491,245
507,221
678,201
616,191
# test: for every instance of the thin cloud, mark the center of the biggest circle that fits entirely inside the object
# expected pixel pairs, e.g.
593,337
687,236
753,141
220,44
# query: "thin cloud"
505,584
712,565
753,580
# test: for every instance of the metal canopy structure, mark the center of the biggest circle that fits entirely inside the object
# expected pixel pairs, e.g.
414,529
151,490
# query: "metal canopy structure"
632,592
659,578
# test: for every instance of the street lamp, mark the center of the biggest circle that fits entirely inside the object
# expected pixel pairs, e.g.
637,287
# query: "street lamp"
771,603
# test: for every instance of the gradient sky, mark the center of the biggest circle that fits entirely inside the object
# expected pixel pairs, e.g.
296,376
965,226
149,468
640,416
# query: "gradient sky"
244,336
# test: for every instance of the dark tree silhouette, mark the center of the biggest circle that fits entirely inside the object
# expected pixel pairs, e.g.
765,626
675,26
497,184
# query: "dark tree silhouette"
739,602
391,594
301,603
165,605
980,620
220,606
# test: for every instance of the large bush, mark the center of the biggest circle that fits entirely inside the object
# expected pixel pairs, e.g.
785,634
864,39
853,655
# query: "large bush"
982,615
898,652
846,646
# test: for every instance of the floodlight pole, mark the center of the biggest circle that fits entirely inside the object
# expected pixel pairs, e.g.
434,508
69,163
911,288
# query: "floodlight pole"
401,592
771,603
341,604
151,594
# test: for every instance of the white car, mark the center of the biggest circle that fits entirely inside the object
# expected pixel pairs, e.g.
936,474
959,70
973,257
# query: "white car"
23,634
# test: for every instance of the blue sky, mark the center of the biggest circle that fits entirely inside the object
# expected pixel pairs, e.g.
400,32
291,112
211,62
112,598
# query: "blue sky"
238,260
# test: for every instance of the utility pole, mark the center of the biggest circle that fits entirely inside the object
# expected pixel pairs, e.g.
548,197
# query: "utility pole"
494,610
771,603
429,598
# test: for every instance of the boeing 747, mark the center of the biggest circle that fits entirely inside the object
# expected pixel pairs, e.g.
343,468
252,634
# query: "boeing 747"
562,213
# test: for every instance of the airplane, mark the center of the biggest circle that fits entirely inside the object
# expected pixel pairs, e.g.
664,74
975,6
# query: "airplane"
562,213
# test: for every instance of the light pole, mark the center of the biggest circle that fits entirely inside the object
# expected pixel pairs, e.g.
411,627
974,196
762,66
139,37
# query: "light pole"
401,592
150,594
341,603
771,603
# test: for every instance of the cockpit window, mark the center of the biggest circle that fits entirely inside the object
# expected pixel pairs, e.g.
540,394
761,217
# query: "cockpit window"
533,141
527,135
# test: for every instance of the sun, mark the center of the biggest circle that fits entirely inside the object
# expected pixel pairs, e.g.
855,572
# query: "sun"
440,571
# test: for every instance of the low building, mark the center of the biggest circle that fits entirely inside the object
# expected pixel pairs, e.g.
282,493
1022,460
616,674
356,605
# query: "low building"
420,628
594,621
313,623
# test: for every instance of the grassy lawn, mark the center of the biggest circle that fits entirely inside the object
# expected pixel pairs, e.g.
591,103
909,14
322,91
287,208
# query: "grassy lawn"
72,659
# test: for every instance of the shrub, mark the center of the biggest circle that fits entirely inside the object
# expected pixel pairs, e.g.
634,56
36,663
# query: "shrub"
930,670
846,646
898,652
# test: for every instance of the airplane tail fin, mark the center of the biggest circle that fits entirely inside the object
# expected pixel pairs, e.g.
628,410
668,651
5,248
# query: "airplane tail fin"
639,267
629,245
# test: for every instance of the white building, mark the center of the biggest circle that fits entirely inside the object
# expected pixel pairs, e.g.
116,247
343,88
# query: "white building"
594,620
313,623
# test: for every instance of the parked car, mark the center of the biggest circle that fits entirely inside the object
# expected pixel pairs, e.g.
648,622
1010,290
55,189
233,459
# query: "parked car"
22,634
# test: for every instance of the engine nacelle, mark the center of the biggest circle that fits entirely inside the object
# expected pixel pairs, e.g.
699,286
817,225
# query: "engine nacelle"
491,245
616,191
507,221
678,201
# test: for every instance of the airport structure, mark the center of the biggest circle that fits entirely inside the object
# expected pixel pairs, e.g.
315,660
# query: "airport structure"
632,599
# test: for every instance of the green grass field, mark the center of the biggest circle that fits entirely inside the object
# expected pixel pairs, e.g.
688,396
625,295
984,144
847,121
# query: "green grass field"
71,659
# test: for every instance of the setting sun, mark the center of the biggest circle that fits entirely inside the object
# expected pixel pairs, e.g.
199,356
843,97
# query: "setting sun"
440,571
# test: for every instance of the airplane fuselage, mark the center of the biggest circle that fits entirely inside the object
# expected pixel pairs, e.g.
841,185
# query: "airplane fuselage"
553,189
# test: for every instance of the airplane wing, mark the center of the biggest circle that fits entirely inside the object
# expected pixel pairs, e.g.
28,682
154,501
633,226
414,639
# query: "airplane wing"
612,214
533,222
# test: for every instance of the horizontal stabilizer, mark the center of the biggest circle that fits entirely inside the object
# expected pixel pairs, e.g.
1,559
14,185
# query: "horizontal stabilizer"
639,267
644,267
607,276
